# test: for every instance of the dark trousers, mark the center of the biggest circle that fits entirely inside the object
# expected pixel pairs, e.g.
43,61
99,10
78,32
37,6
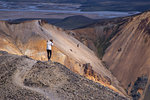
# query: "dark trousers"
49,53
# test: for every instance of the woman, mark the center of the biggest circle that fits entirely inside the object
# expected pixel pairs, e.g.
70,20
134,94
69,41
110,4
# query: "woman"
49,48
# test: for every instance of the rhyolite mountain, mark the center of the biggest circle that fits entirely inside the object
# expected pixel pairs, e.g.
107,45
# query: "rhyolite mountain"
123,46
29,38
128,55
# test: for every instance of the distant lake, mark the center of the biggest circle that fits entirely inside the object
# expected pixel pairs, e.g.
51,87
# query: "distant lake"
107,14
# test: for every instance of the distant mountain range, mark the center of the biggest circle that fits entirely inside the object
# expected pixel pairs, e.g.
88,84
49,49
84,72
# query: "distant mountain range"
101,5
71,22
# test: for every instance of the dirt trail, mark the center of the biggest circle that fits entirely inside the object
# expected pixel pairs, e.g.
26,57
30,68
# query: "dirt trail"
19,77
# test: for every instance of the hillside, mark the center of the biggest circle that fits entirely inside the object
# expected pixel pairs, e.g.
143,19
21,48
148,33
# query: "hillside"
129,52
23,78
29,38
97,35
123,46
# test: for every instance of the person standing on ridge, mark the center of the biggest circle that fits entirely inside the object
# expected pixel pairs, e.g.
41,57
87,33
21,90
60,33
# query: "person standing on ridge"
49,48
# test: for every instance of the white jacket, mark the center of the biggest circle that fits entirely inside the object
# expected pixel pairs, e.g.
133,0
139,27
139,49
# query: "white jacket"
49,45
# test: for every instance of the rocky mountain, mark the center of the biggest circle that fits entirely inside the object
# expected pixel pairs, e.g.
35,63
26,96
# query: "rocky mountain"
123,46
29,38
22,78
